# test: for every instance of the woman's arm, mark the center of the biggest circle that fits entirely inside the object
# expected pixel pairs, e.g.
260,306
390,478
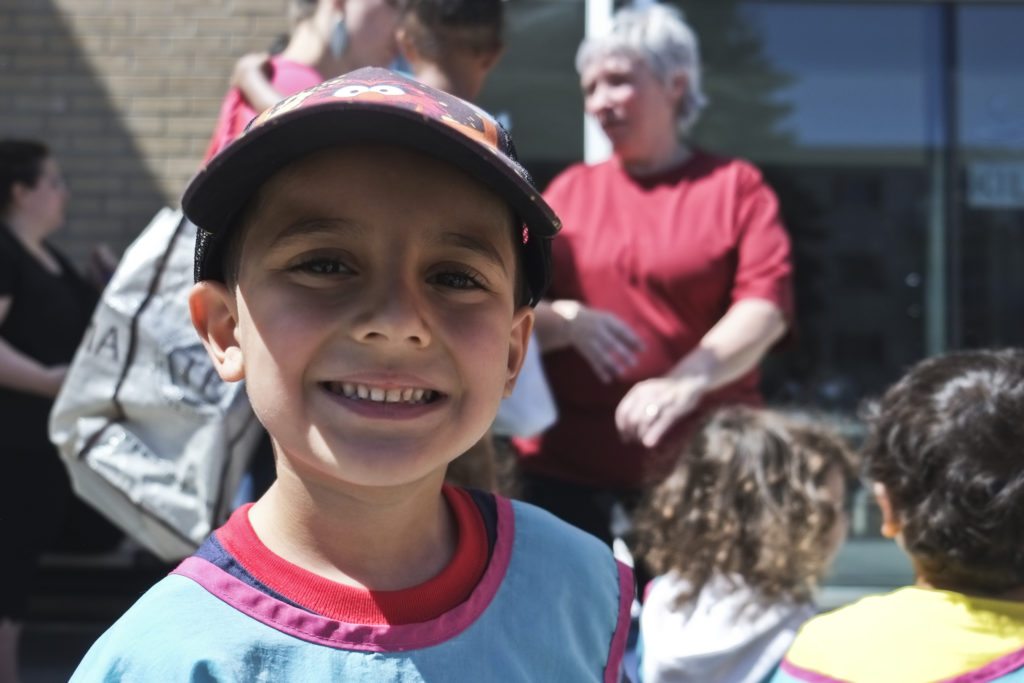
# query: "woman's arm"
607,343
729,350
250,76
21,373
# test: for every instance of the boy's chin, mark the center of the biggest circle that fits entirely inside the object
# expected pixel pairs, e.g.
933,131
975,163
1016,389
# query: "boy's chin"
368,468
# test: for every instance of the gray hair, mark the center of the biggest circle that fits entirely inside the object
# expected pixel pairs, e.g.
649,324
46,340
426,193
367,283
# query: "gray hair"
659,35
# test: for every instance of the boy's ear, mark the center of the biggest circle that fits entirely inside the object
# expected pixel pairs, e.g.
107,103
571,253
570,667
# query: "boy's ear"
215,317
891,526
522,326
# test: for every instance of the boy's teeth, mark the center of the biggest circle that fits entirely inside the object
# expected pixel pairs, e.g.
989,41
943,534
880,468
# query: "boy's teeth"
361,391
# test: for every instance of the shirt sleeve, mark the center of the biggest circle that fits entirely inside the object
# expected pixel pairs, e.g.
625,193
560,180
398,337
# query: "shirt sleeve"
764,268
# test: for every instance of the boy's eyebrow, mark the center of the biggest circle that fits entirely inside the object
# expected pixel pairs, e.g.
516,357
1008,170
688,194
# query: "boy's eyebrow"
483,247
316,226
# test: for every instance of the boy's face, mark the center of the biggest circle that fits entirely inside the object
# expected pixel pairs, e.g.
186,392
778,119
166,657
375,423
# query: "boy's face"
373,317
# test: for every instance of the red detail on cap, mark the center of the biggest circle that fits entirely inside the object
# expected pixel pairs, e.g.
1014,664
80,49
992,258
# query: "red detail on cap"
526,235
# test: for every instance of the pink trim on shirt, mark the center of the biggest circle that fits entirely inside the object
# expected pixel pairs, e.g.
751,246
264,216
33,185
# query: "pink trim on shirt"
806,674
613,670
413,605
370,638
991,671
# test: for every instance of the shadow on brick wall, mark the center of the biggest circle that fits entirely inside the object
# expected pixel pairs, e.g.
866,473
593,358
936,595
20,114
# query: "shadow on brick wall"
55,84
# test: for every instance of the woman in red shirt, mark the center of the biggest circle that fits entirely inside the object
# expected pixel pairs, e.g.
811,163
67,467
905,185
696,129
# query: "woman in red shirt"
672,279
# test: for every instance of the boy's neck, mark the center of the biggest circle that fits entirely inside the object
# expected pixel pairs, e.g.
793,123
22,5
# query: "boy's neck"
374,538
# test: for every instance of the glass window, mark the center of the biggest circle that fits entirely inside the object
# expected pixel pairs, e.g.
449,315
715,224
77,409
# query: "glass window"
534,88
845,134
988,247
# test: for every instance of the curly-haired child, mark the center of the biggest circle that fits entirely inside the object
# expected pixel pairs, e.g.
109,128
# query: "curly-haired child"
945,449
741,532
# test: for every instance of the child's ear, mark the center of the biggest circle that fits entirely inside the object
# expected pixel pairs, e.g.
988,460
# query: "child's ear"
488,59
406,45
891,526
522,326
215,317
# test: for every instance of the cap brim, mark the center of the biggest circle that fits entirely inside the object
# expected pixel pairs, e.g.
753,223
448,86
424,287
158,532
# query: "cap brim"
219,192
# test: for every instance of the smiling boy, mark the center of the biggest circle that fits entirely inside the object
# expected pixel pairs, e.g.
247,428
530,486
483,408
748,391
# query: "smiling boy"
368,257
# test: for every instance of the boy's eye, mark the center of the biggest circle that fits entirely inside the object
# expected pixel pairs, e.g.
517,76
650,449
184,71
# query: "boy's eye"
458,279
323,266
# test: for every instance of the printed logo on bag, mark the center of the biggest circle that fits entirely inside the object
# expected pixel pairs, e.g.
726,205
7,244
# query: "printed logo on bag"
104,341
192,372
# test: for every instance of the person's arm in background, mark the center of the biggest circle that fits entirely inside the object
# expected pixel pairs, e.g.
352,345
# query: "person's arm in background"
22,373
607,343
729,350
250,76
759,315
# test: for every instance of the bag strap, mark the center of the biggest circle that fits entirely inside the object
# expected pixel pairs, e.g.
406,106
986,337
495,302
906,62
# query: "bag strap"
133,333
154,285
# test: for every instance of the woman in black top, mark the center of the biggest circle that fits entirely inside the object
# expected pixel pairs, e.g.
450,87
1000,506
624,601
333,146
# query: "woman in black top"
45,308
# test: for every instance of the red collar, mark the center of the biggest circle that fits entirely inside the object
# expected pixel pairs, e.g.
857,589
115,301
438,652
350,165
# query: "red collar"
423,602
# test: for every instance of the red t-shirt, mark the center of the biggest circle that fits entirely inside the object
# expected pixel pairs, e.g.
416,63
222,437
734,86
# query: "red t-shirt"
669,254
286,76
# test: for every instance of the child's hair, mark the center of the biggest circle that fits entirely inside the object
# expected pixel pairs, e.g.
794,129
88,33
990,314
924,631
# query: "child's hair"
947,442
21,163
439,26
749,498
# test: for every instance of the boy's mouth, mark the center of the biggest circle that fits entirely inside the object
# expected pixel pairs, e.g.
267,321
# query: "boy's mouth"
365,392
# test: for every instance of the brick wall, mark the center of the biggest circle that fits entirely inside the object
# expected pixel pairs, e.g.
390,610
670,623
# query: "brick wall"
126,92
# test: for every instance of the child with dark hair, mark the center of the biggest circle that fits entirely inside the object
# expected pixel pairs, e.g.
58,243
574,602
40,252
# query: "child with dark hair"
452,44
369,255
945,450
741,532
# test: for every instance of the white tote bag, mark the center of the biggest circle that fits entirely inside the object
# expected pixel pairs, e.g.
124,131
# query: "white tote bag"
151,436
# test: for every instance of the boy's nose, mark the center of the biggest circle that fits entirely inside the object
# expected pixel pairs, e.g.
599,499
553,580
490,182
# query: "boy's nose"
393,314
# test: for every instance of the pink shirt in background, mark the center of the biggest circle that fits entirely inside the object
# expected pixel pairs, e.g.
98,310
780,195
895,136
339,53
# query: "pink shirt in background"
286,76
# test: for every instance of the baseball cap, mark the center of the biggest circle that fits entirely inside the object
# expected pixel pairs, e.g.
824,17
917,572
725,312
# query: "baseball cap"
370,105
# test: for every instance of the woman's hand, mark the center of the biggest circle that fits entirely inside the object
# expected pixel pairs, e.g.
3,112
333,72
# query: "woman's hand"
652,406
607,343
729,350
